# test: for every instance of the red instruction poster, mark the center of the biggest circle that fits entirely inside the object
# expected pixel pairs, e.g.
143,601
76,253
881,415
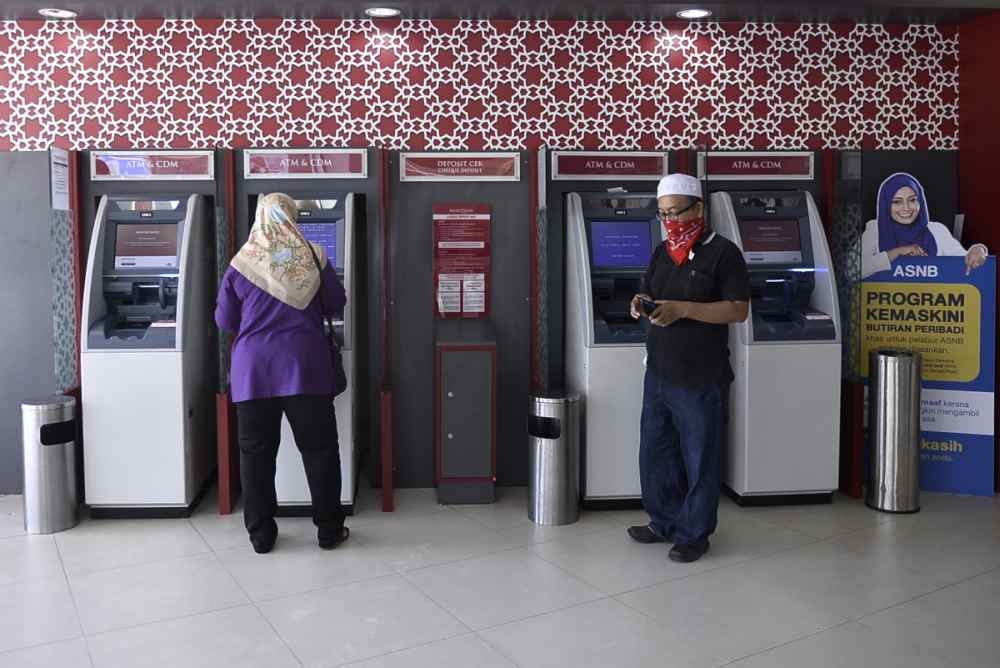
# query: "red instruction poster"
461,260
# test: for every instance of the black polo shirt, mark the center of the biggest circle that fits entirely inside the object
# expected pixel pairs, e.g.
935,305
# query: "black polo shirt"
690,352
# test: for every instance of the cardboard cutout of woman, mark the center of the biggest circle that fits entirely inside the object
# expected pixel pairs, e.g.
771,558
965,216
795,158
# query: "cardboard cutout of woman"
903,228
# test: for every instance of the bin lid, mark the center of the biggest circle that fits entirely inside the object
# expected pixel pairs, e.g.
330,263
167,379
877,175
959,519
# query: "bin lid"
47,403
894,352
555,398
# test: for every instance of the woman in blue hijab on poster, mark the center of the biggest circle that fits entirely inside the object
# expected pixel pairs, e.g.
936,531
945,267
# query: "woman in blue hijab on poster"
903,228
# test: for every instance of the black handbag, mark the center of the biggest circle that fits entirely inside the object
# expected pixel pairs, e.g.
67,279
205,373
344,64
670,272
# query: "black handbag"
339,374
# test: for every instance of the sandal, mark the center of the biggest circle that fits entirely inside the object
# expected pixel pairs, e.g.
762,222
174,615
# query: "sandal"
329,540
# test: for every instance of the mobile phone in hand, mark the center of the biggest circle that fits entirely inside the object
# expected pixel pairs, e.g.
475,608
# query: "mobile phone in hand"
648,305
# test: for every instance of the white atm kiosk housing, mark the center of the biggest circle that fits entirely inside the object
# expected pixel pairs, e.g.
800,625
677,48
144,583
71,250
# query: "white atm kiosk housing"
784,418
148,356
327,220
610,239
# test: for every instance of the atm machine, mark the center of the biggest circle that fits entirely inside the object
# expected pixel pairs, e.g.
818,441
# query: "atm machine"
610,239
328,220
148,354
784,419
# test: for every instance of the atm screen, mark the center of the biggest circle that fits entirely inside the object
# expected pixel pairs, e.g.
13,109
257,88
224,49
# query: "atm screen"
146,246
771,241
620,244
322,234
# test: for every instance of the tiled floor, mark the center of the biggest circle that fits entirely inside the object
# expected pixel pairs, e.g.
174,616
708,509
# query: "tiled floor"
482,587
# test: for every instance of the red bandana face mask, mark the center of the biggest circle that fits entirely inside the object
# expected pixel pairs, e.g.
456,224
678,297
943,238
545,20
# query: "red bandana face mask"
682,235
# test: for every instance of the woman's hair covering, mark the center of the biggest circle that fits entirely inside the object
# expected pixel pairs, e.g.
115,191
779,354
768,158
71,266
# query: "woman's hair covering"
892,234
276,258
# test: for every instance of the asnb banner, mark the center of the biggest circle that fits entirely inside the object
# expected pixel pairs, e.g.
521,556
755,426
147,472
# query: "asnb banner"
936,306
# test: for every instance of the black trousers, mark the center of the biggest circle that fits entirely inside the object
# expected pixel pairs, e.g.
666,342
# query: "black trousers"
314,425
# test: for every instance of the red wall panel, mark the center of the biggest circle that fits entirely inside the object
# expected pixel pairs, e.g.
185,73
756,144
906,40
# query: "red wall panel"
477,84
979,130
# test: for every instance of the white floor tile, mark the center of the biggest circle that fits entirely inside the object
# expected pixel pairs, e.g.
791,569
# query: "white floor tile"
841,582
946,551
900,584
957,625
11,515
234,638
96,545
509,510
614,563
726,614
28,558
298,565
153,592
66,654
406,503
406,543
528,533
821,521
501,588
221,532
468,651
849,646
594,635
35,612
358,621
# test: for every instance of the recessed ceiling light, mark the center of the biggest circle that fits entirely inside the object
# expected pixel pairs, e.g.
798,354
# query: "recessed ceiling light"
694,14
53,13
382,12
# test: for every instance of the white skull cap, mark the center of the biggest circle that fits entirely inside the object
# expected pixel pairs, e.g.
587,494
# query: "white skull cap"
679,184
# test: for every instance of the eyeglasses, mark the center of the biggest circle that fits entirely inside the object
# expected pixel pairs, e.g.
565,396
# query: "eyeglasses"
673,214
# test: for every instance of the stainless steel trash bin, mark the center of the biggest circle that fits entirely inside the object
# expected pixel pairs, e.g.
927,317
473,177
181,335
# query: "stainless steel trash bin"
48,428
894,431
554,459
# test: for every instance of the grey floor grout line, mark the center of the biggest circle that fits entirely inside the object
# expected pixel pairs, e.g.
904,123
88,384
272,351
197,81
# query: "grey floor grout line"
497,649
722,567
786,643
76,607
259,611
860,620
39,645
586,584
139,564
165,620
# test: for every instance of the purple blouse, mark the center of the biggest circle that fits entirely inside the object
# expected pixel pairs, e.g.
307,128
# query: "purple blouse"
279,350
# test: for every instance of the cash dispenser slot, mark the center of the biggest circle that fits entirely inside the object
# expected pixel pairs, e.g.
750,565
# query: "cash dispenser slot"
613,322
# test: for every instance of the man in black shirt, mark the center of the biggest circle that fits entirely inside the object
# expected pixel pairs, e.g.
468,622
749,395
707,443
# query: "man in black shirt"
696,284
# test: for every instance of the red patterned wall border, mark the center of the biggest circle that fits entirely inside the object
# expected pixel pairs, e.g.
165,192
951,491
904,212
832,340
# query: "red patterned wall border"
476,85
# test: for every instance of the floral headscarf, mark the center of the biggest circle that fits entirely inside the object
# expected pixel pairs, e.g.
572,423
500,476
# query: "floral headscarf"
276,257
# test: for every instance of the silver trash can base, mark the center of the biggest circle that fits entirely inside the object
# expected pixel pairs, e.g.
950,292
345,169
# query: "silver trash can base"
48,430
894,432
554,460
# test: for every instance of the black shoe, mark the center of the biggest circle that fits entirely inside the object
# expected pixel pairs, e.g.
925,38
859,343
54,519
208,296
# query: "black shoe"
331,538
263,541
686,553
645,534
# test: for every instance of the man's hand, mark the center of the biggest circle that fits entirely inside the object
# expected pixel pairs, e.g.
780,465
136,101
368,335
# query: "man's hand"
635,308
714,313
668,312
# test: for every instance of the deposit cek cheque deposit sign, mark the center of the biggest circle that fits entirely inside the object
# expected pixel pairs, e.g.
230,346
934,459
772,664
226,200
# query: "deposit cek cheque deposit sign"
460,167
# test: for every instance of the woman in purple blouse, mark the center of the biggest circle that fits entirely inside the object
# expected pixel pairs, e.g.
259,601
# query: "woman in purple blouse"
270,297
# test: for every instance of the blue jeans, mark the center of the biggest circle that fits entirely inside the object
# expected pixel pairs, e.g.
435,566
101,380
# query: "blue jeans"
680,458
